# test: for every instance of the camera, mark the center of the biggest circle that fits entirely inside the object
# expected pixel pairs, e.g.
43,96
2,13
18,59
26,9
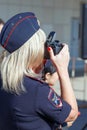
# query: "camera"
54,44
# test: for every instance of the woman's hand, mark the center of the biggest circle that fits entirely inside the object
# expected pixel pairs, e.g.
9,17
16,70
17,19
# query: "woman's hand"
61,60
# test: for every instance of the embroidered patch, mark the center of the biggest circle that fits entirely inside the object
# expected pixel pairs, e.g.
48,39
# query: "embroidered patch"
54,99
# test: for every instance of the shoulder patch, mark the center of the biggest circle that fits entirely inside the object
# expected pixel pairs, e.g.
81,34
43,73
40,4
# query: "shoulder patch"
54,99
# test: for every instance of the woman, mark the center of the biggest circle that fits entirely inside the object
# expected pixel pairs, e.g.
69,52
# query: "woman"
49,73
28,103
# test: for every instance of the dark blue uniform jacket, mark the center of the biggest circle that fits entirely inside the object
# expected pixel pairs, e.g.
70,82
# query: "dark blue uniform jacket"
39,108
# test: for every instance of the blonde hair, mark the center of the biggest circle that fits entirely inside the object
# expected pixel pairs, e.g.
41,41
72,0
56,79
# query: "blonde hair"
19,63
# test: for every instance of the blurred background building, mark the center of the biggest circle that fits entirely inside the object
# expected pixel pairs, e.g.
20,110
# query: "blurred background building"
63,17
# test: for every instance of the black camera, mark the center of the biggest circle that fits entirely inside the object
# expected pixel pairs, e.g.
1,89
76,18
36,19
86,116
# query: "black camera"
54,44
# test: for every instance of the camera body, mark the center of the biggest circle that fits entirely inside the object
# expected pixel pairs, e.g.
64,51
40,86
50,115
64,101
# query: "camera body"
54,44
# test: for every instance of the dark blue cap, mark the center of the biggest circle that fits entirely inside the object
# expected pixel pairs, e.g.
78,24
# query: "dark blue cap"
18,30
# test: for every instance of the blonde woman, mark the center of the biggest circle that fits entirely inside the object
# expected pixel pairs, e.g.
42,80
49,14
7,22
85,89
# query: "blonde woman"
27,103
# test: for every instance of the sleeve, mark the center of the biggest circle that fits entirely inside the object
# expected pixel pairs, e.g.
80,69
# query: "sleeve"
51,106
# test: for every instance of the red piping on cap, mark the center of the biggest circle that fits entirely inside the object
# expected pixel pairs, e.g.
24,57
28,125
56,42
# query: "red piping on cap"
10,33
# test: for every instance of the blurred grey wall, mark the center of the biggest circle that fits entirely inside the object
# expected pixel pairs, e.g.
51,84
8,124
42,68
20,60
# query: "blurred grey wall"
53,14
